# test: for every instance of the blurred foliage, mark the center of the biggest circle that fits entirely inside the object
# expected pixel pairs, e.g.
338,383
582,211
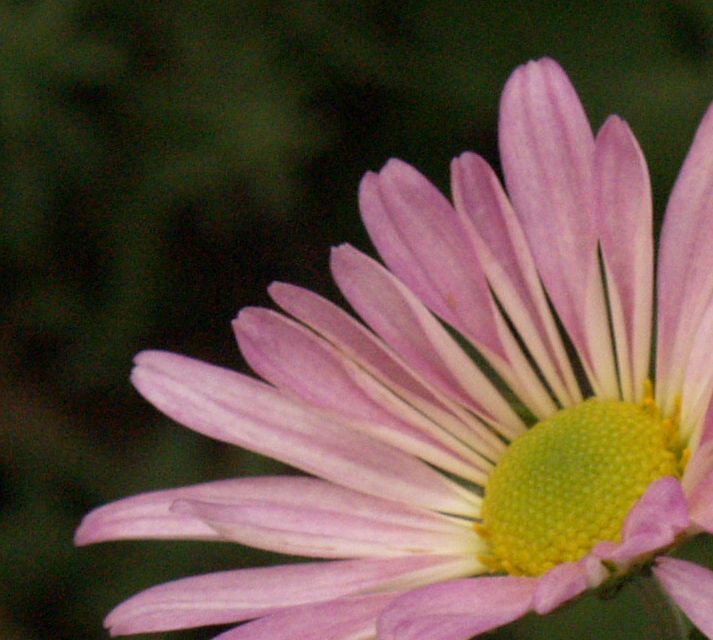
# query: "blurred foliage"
162,161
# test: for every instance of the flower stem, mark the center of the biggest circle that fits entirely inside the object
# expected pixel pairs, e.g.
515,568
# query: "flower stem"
665,618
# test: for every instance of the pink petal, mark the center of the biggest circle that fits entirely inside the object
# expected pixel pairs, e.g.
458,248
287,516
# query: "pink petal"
148,515
698,381
691,587
565,581
358,343
338,327
346,619
700,503
456,610
237,409
624,216
233,596
698,466
310,517
489,220
685,264
652,523
547,150
421,239
395,314
417,234
706,431
295,358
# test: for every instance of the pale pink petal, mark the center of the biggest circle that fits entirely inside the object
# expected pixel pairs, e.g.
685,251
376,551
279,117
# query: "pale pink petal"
310,517
346,619
421,240
698,466
338,327
490,223
292,357
652,523
700,503
691,587
698,381
565,581
378,360
456,610
685,264
547,150
706,430
149,515
624,217
240,410
417,234
395,314
232,596
295,358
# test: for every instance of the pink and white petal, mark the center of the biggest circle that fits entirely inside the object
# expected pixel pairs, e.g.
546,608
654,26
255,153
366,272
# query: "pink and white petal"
382,365
685,264
698,381
339,328
698,467
547,150
149,515
566,581
296,359
700,503
624,218
652,523
706,430
420,237
233,596
417,234
457,609
229,406
395,314
489,221
691,587
346,619
310,517
293,358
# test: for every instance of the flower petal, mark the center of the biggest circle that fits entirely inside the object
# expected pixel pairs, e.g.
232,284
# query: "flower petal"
565,581
421,240
232,596
698,466
489,220
652,523
685,264
346,619
148,515
295,358
457,609
624,217
547,148
691,587
395,314
361,345
698,381
228,406
310,517
417,234
700,503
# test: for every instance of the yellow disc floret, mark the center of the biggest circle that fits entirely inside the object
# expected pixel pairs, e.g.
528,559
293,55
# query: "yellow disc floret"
570,480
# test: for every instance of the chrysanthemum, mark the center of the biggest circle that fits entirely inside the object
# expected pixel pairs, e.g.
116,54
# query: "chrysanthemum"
499,411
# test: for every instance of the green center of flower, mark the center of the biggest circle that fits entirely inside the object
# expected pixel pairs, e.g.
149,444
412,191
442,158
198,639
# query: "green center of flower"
570,480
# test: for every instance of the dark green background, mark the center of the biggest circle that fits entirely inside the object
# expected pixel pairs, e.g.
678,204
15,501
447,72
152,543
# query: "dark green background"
162,161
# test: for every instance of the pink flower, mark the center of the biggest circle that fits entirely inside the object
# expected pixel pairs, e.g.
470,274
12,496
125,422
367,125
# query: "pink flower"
569,470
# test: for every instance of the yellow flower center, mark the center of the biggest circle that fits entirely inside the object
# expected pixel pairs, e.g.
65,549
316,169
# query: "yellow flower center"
570,480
